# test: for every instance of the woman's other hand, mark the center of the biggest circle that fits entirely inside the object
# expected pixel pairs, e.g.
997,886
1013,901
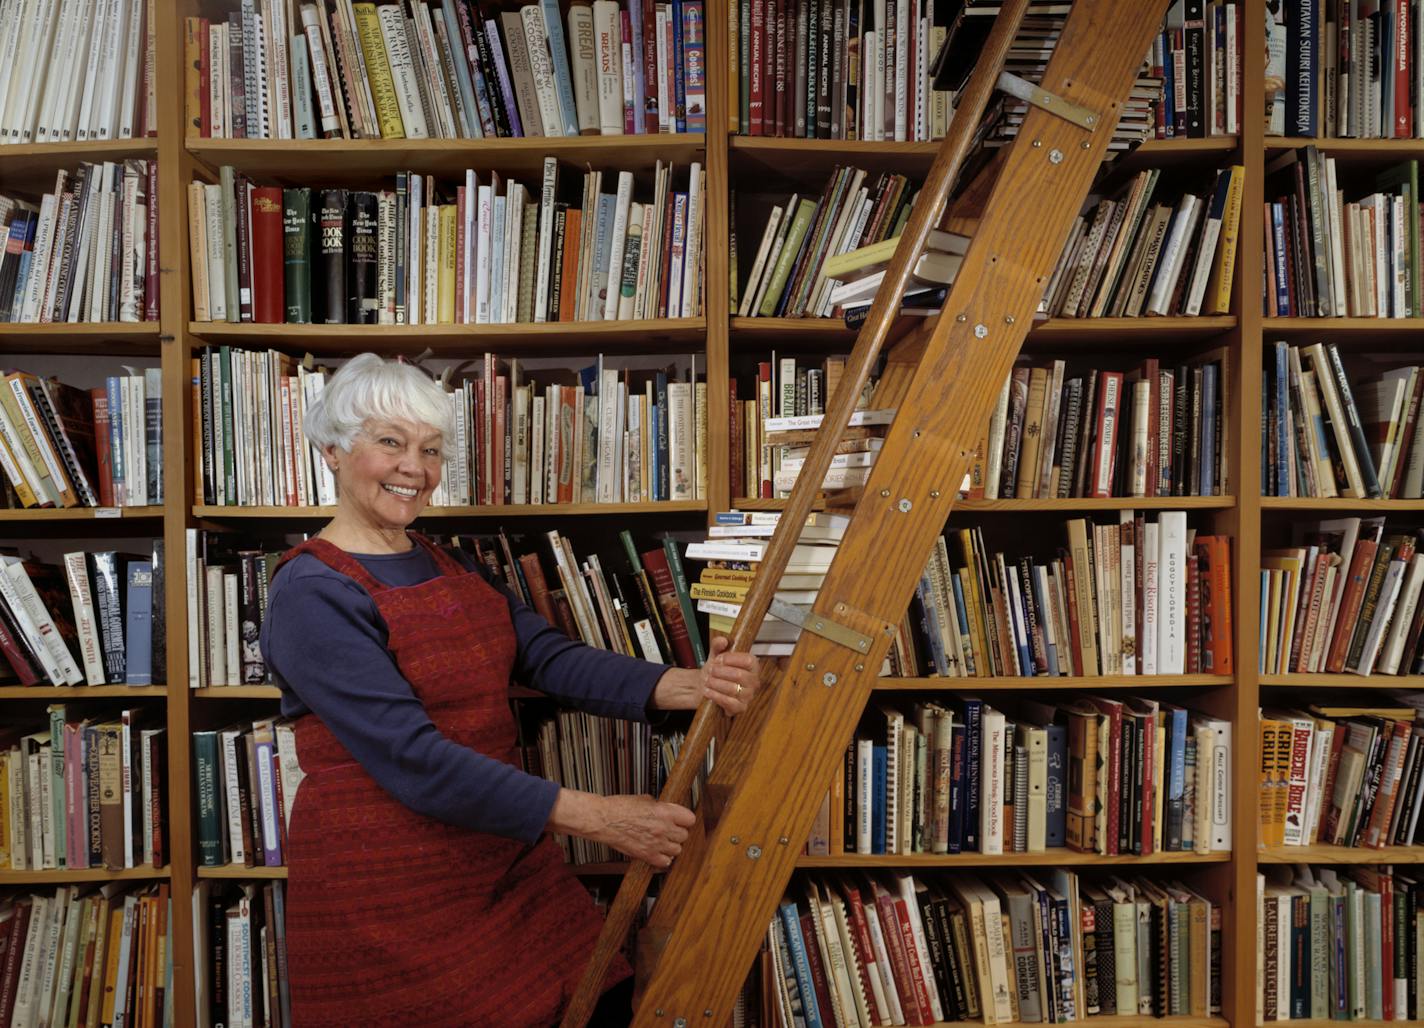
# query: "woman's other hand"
644,828
729,679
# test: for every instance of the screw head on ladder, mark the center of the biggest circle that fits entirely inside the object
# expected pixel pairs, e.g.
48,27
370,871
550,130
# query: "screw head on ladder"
981,331
829,679
1055,156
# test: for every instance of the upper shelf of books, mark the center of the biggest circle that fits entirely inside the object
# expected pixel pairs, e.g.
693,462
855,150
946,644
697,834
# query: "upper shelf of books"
344,161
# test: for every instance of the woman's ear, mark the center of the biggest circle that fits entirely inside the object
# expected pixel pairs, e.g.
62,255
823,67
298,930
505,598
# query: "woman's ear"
330,454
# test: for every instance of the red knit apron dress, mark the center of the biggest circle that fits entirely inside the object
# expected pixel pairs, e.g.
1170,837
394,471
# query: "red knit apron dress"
394,918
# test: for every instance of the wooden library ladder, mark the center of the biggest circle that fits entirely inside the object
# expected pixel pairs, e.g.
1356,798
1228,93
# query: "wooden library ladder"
773,764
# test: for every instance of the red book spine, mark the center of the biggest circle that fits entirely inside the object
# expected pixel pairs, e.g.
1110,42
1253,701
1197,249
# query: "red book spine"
1075,648
1329,819
1403,43
860,937
9,978
269,298
479,486
660,577
102,448
763,476
899,961
569,281
1218,576
1151,372
567,471
1114,755
781,50
1386,971
1194,615
1105,449
1148,784
650,69
912,961
1360,564
819,984
538,587
16,657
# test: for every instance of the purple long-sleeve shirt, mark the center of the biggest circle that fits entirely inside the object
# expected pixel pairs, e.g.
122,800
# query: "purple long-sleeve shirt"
326,644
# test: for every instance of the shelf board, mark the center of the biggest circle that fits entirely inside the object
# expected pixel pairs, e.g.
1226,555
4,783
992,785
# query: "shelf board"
81,513
1097,332
60,692
1337,503
64,875
494,510
1047,682
238,871
1048,858
358,161
1083,504
1342,681
1340,855
1348,150
238,692
32,166
1383,333
650,336
122,338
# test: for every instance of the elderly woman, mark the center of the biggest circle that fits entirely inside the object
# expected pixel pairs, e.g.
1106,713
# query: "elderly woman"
424,886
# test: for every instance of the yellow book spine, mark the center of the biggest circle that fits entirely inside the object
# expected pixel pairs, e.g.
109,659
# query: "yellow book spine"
198,250
1218,288
726,593
111,969
378,71
448,255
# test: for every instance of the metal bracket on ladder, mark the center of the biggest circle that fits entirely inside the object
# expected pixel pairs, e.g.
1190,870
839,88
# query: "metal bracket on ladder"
1046,101
808,620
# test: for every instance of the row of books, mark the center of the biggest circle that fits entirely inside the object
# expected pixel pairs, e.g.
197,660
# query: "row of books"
482,252
1338,944
247,777
1137,597
418,70
643,610
240,947
1043,946
1028,56
610,436
1128,255
608,756
1342,773
1328,256
837,69
807,242
62,446
1094,774
88,252
1149,431
88,955
1320,442
788,392
636,602
1198,58
1343,598
84,792
78,71
96,621
1343,69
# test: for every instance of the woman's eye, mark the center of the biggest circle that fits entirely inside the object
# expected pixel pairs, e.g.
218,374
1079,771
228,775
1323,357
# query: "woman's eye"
432,452
388,441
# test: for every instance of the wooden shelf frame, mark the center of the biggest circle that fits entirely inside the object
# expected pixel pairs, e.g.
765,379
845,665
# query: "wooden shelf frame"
175,338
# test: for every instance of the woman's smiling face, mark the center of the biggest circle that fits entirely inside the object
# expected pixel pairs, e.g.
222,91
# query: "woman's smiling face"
393,467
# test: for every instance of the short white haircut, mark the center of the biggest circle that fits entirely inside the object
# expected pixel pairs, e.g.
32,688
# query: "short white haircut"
369,388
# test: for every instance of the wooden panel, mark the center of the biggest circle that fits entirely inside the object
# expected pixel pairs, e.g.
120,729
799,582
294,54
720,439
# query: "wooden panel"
493,510
1341,855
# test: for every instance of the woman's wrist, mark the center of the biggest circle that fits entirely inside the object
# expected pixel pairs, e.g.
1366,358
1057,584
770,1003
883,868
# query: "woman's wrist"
677,689
574,813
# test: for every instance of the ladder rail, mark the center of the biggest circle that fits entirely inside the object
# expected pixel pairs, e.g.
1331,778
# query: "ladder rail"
710,723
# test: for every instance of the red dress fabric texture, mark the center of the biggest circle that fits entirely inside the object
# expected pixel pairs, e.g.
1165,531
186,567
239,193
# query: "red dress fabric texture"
394,918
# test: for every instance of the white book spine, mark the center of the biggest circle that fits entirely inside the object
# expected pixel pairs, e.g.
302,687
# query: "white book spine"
583,51
620,235
1150,558
1172,592
991,809
608,55
484,236
692,246
542,69
403,72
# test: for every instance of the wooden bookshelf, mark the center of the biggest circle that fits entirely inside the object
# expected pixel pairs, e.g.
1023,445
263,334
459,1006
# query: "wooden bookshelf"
731,162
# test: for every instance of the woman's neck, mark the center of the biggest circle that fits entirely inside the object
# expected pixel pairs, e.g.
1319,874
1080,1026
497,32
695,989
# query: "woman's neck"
356,537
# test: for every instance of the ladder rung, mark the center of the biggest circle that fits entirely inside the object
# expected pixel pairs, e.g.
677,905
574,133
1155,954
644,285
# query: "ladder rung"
1041,98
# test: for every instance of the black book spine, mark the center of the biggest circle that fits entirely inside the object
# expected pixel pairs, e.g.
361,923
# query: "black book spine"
362,303
296,254
556,273
331,255
83,180
1180,395
1194,40
158,639
205,381
496,96
243,206
108,573
1352,420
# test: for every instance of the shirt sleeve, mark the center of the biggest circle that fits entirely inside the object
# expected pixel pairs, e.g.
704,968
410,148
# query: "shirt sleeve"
572,672
371,709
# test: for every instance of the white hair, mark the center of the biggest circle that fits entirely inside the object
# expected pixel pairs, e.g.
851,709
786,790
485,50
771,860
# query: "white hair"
368,387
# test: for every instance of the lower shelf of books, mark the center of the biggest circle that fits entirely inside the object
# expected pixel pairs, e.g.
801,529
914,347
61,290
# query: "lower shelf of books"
1045,858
